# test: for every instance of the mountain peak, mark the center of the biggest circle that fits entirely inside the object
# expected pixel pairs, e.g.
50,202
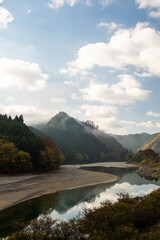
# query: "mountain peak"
60,120
82,142
62,114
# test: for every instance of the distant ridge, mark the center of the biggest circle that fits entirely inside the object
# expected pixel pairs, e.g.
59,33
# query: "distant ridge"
142,141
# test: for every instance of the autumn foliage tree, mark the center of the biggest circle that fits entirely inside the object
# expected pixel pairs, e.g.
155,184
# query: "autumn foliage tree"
22,150
51,155
12,160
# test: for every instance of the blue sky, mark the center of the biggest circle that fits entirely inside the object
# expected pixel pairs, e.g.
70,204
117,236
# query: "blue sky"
94,59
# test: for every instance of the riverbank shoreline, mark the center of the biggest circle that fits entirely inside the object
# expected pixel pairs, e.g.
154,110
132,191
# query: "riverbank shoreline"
149,173
17,189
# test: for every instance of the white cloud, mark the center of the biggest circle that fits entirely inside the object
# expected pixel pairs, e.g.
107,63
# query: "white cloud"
105,2
104,117
1,1
127,90
110,26
73,71
60,3
147,124
153,114
5,17
138,47
100,111
152,5
144,74
148,3
58,100
107,118
55,4
31,114
155,14
23,75
72,83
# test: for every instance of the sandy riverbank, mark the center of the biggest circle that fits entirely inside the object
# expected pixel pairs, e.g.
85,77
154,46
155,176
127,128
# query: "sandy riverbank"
16,189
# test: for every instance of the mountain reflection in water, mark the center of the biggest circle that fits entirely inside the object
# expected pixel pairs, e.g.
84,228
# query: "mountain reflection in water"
67,204
71,203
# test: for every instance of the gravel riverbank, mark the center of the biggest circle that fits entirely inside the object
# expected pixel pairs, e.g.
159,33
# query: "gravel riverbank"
16,189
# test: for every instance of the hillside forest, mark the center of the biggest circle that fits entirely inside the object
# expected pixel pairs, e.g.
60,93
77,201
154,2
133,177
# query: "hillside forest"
23,151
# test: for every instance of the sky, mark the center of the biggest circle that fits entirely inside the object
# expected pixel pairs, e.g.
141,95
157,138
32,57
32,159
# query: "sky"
96,60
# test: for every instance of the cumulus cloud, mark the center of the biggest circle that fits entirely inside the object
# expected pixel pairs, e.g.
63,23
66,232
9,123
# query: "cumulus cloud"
107,118
72,83
32,114
104,117
55,4
147,124
60,3
148,3
127,90
5,17
155,14
152,5
153,114
110,26
138,47
101,111
23,75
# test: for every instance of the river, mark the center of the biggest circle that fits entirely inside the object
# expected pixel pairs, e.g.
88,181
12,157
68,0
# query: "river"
69,203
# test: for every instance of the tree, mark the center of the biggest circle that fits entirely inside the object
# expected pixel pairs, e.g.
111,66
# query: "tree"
79,157
13,160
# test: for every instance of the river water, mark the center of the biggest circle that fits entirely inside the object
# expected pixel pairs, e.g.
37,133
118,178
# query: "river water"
69,203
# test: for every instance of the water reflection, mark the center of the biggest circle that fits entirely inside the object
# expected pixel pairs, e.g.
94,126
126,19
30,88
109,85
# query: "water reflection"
67,204
71,203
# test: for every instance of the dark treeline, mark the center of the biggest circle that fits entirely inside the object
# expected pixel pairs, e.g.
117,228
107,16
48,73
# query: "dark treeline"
128,219
22,151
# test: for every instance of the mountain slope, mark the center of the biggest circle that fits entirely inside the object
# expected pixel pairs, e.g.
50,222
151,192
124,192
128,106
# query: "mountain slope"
134,142
77,143
107,139
153,144
37,132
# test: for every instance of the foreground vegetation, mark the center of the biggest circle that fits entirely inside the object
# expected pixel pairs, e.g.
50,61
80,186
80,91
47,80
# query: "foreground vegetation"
23,151
128,219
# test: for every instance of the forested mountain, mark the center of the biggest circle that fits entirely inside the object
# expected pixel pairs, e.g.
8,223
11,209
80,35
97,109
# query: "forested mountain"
153,143
78,142
135,142
107,139
22,150
37,132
